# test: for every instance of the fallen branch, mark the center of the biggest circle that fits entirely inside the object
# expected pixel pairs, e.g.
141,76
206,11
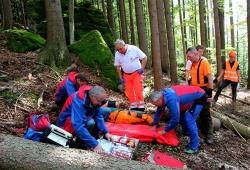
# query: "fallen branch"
12,123
236,130
4,72
18,153
238,100
22,108
232,124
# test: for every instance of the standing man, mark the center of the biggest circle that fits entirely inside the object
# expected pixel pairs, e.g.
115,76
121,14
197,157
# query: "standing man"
200,49
201,75
174,98
231,73
130,63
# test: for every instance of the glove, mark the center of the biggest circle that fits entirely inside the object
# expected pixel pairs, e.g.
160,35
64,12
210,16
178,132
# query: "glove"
140,71
121,80
209,92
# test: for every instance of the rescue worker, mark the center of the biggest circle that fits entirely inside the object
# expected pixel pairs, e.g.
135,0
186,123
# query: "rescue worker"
69,85
130,63
86,119
201,75
200,49
231,72
174,98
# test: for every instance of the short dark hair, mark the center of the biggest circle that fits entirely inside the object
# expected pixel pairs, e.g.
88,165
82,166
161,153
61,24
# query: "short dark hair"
200,47
81,77
191,49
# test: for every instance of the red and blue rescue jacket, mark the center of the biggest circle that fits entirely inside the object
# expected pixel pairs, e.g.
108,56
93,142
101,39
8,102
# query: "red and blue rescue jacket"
174,98
77,111
65,88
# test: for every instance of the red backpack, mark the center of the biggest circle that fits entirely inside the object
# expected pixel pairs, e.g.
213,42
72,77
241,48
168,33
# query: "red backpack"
38,121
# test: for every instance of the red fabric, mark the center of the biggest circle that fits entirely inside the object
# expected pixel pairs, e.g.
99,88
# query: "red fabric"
82,90
68,126
72,76
164,159
143,133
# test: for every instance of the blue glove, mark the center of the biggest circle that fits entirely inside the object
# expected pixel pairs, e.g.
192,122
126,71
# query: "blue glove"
140,71
121,80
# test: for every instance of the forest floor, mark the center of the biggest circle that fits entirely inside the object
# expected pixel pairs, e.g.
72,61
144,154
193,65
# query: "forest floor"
27,86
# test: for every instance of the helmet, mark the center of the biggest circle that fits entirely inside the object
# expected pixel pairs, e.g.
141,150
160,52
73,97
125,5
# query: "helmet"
232,54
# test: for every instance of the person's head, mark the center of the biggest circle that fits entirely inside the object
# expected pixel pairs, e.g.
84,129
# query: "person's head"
120,46
81,79
73,67
192,54
200,49
232,55
97,96
156,98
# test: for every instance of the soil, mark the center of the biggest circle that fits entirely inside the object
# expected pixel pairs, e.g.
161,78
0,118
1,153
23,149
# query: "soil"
24,82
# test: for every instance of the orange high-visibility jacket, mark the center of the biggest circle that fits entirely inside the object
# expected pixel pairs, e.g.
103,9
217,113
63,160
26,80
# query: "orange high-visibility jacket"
198,73
127,117
231,72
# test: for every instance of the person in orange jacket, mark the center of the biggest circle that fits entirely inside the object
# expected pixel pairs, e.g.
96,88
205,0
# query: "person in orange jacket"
231,73
130,63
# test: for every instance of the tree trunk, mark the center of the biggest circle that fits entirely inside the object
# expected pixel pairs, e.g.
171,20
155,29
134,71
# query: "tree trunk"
123,20
7,14
231,24
202,22
207,26
132,30
248,36
232,124
119,18
142,36
222,29
155,44
184,23
163,37
195,22
1,14
111,16
71,22
104,9
182,33
19,153
217,37
55,52
171,47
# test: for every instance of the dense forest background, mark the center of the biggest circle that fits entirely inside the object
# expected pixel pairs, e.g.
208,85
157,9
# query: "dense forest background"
163,29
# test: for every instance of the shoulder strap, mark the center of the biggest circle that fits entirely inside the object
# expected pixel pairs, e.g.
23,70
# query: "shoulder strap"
198,71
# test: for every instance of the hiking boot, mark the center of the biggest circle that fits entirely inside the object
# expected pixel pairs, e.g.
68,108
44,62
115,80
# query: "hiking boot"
209,139
190,151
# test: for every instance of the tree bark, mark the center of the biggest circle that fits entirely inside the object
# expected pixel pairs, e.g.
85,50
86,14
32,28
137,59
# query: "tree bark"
182,33
202,22
55,52
18,153
132,30
231,24
162,37
71,22
104,9
222,29
232,124
7,14
123,20
155,44
184,23
248,36
111,16
217,36
142,36
171,47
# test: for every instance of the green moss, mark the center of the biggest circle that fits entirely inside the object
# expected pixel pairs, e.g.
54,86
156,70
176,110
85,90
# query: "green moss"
94,52
9,96
23,41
